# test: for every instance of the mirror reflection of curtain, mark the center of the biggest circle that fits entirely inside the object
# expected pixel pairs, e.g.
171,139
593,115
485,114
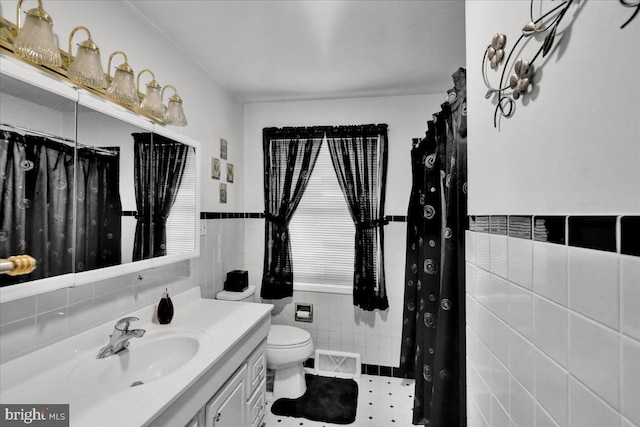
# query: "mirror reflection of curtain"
359,156
36,218
99,210
158,169
289,157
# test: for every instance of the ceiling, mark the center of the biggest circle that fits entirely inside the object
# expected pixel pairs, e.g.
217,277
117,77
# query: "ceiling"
271,50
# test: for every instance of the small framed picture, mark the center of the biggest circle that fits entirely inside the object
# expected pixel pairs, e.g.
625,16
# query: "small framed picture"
223,148
229,172
215,168
223,193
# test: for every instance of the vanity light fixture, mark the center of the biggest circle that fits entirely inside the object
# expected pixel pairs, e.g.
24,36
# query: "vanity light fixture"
86,68
35,41
152,100
122,88
175,114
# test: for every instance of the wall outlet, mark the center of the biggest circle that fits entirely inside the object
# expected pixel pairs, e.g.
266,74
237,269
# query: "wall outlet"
203,227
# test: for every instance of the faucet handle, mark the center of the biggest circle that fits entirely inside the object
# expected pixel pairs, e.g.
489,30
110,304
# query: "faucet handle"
125,321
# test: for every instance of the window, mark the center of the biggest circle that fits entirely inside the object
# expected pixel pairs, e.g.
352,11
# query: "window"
322,231
180,223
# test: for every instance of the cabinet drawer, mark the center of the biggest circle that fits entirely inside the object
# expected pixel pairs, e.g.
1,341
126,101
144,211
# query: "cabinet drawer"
257,364
256,405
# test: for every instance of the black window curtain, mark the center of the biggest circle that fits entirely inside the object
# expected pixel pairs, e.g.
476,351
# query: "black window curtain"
158,169
289,157
359,155
99,210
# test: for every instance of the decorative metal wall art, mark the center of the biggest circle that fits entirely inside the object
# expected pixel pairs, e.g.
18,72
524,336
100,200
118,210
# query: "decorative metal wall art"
628,3
522,70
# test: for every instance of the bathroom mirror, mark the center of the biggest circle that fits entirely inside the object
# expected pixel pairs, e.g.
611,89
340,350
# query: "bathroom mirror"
37,177
120,193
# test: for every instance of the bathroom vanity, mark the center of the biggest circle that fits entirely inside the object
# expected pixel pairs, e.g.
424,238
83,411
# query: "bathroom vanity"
207,368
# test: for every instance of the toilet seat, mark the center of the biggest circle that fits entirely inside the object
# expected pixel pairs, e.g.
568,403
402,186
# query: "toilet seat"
282,337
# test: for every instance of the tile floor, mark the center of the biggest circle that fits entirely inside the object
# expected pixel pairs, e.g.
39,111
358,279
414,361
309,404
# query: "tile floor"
382,402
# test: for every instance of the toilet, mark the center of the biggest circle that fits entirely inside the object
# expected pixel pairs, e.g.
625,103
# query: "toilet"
287,348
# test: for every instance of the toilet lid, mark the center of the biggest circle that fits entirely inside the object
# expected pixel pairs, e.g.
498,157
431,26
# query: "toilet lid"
236,296
287,336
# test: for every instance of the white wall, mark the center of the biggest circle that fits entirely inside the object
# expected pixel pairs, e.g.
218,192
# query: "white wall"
337,324
539,350
572,145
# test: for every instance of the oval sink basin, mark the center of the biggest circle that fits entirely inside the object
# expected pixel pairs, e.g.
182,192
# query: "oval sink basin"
153,356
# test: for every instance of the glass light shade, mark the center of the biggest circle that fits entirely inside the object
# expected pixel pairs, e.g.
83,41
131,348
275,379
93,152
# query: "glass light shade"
175,114
152,100
86,68
123,88
35,41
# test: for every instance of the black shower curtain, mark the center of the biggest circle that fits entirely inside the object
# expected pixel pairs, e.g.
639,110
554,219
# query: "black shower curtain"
289,156
359,155
36,214
433,340
158,169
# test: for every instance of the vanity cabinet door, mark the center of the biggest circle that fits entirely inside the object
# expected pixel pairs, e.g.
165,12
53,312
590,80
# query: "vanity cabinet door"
227,408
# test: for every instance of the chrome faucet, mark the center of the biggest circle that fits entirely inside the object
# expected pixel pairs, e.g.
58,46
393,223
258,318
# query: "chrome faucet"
119,339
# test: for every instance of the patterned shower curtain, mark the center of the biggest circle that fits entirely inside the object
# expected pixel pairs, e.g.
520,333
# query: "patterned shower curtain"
433,337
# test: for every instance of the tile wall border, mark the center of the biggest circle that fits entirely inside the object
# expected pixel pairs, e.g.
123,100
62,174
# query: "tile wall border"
610,233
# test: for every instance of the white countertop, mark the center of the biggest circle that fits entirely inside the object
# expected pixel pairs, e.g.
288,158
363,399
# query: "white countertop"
42,377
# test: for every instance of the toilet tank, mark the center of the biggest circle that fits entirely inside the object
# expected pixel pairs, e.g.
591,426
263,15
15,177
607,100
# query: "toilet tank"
248,295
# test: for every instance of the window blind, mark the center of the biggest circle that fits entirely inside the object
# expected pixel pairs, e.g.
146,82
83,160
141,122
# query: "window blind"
181,222
322,231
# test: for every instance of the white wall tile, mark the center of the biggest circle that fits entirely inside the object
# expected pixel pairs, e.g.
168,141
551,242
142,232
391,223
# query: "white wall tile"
543,419
587,410
630,295
500,382
522,405
631,380
500,339
520,266
499,255
499,299
552,329
593,285
521,360
17,338
551,385
550,271
470,246
499,417
483,287
594,357
51,300
521,310
482,248
51,326
17,310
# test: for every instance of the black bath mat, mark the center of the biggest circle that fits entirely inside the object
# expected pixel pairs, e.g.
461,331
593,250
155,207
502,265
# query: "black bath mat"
329,400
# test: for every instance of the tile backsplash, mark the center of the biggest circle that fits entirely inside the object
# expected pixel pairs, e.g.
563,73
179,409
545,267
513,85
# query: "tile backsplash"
553,330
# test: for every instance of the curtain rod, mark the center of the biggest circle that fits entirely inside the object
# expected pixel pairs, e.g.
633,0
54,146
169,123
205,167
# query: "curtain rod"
55,137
